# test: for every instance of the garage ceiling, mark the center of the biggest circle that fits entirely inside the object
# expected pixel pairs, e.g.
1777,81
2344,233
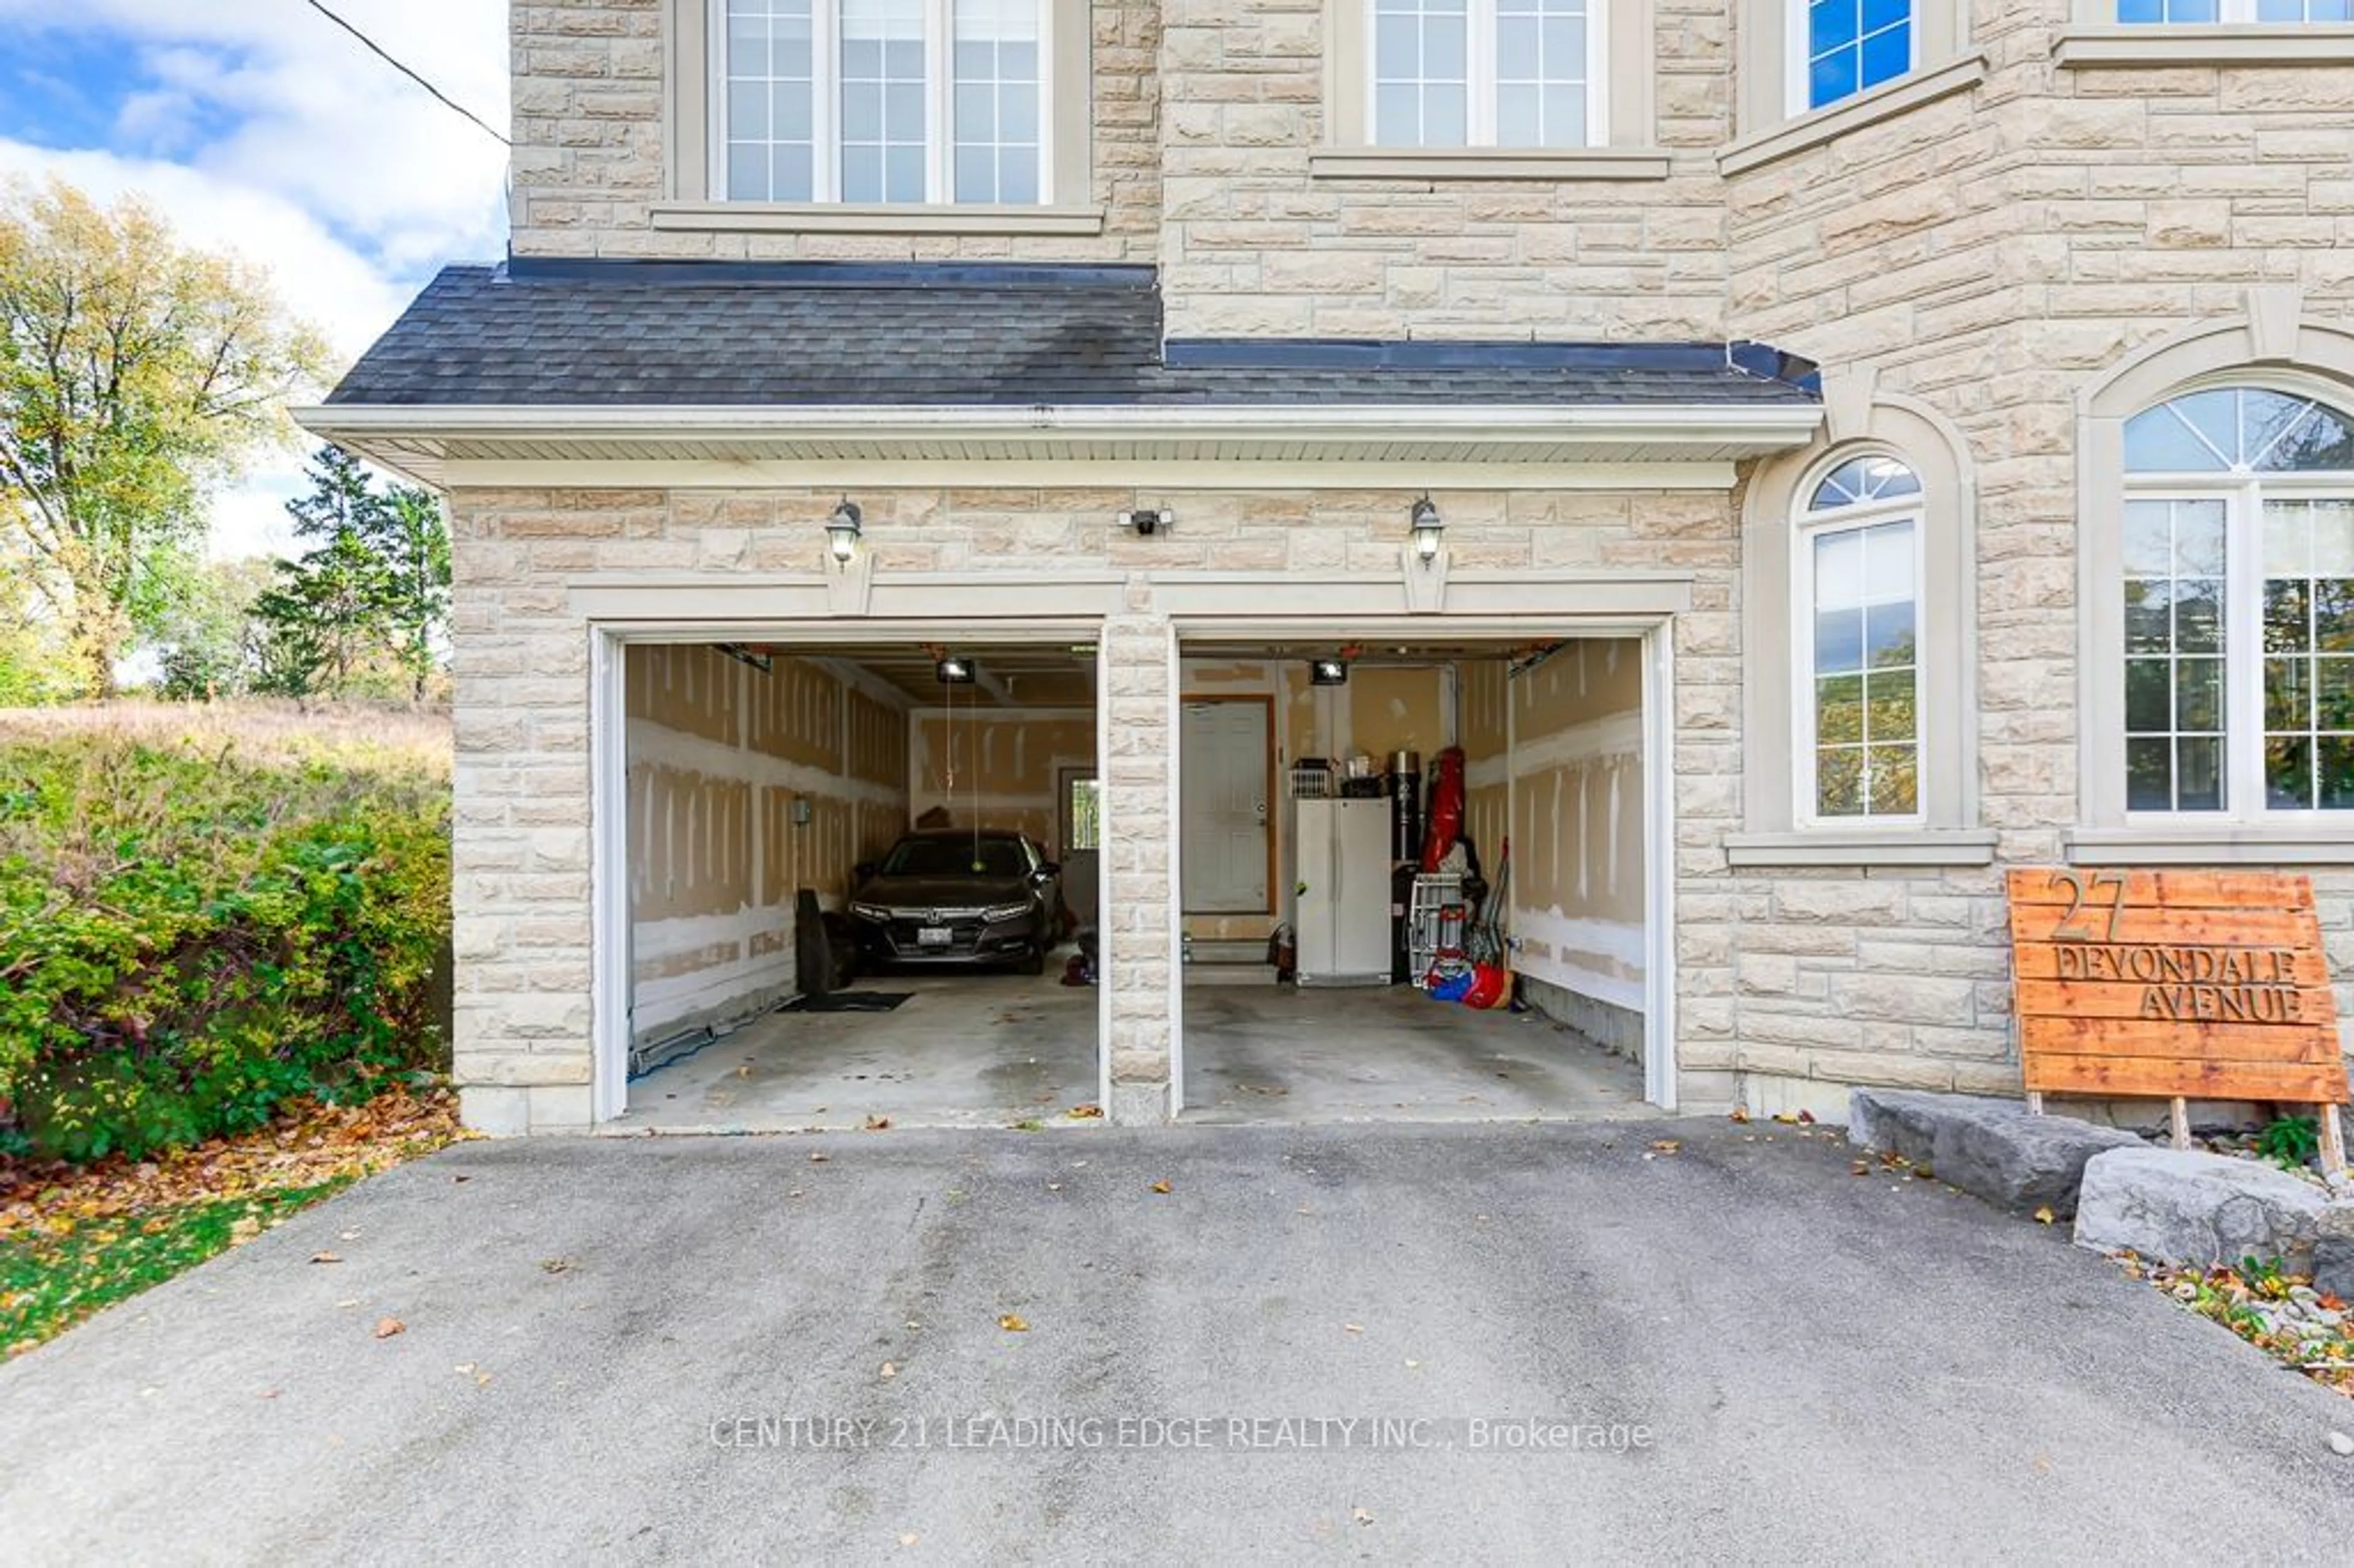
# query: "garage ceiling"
1053,677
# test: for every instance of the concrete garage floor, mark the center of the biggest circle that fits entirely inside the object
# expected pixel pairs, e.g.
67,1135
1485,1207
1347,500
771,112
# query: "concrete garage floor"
968,1048
1389,1052
1829,1369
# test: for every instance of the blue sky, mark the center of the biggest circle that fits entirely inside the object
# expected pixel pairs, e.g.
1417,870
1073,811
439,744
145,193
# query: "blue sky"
259,126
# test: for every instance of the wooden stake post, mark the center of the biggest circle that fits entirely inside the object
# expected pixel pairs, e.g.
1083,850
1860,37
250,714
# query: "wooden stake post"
2177,984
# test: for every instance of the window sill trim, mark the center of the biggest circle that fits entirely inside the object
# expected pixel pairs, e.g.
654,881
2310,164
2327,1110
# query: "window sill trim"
2202,44
847,217
1882,102
1488,164
1862,846
2209,846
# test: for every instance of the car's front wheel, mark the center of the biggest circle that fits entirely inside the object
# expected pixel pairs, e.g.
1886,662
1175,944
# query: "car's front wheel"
1036,963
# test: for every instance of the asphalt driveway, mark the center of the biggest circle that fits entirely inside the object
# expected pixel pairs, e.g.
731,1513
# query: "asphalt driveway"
1736,1351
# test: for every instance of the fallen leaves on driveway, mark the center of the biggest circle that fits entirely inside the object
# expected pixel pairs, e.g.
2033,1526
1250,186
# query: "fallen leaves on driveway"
385,1328
1161,1186
1084,1112
1013,1325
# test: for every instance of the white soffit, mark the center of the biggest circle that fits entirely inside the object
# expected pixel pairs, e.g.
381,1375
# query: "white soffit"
1682,447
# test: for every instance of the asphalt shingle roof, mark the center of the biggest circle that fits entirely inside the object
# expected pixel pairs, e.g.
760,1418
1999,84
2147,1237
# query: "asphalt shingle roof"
709,334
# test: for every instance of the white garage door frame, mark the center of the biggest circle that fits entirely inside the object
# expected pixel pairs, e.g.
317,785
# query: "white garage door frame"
1650,607
656,620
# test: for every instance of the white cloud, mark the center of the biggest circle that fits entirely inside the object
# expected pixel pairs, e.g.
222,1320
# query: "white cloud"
260,126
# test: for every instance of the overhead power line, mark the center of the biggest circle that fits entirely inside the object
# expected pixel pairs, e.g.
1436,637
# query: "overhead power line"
378,50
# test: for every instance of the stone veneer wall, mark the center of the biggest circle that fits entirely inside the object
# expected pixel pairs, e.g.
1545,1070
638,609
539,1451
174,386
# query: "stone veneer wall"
522,717
1989,255
1253,245
590,147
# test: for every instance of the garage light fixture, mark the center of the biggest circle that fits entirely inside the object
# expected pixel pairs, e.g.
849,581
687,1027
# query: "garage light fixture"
1328,672
1428,528
954,671
842,531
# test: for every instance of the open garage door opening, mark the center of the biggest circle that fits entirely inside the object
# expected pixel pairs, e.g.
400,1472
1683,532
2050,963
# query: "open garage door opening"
862,883
1418,879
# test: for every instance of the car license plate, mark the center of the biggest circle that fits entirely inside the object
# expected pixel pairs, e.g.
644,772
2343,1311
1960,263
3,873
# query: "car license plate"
934,936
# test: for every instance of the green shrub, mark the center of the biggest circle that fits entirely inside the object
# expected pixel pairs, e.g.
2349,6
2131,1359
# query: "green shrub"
191,936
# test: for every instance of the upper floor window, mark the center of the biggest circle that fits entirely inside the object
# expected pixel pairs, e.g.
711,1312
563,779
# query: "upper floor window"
882,101
1487,73
2174,11
1857,580
2238,557
1847,46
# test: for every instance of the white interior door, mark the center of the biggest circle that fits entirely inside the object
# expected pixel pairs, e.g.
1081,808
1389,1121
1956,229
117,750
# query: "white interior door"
1222,800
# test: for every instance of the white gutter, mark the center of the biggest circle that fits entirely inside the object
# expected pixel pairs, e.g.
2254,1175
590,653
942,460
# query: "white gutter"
1781,424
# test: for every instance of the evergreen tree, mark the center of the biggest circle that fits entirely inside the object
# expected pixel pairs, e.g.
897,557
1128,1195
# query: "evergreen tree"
373,590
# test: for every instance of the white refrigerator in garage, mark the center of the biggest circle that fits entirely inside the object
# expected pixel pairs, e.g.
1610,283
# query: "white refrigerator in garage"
1342,913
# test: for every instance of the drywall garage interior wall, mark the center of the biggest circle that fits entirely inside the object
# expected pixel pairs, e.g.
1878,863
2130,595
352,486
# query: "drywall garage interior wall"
1578,872
745,786
998,768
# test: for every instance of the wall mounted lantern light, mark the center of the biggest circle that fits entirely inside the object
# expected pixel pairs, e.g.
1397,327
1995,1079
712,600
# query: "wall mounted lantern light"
841,532
1429,527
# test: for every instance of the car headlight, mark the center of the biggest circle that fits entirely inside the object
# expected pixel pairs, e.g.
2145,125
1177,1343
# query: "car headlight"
999,912
870,912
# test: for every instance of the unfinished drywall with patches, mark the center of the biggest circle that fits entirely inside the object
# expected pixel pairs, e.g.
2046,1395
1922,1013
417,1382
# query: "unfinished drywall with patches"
1398,707
745,786
1578,896
1485,732
997,767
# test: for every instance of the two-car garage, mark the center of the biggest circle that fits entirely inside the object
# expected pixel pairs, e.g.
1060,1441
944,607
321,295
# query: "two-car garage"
1409,878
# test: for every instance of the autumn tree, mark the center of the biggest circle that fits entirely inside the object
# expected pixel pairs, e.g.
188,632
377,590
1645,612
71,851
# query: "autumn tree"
136,375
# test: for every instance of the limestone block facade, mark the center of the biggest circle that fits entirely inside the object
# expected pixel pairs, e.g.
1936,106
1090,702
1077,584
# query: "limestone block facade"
1990,264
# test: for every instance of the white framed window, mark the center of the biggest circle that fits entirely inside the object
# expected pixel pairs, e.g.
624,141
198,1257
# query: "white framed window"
1521,74
2238,585
1838,48
2177,12
883,102
1856,588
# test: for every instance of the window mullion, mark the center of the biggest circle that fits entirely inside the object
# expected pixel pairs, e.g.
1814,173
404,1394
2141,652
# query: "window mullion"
1597,73
826,97
939,93
1479,73
1804,800
2243,710
716,82
1049,115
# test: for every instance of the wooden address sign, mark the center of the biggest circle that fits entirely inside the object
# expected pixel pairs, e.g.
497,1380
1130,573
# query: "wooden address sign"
2178,984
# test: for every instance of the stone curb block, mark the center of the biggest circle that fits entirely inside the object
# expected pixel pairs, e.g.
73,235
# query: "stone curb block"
1992,1148
2185,1206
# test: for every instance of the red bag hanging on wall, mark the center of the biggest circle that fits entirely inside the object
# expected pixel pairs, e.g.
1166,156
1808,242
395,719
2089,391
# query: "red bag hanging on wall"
1446,809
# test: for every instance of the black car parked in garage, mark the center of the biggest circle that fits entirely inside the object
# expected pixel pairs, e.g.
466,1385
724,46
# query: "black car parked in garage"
959,896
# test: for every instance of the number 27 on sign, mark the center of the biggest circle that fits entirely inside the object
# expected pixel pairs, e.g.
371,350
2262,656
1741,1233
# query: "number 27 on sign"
2103,888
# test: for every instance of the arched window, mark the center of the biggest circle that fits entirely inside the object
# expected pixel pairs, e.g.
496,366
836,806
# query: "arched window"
2238,581
1858,588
